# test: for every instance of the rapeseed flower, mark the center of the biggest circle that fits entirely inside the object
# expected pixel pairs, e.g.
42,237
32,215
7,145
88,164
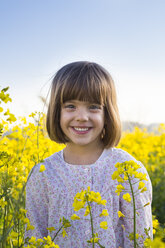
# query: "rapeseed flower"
127,197
120,214
75,217
104,225
32,240
64,233
20,151
141,185
104,213
87,211
95,239
51,229
42,168
29,227
119,188
131,236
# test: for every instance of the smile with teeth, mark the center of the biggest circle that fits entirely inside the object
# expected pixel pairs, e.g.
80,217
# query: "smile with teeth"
81,129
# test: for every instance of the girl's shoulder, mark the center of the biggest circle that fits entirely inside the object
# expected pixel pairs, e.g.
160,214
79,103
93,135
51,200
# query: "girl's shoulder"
47,165
54,159
117,155
122,155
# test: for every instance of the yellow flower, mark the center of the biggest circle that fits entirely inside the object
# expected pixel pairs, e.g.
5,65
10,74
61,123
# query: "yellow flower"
51,229
155,223
87,211
15,242
48,239
79,200
80,195
131,236
88,189
104,225
130,171
94,196
120,214
26,220
46,246
147,242
137,235
64,233
125,176
32,114
144,189
38,241
115,175
103,202
119,189
42,168
141,185
78,204
14,234
75,217
95,239
22,210
104,213
120,179
49,243
29,227
3,203
141,176
32,240
127,197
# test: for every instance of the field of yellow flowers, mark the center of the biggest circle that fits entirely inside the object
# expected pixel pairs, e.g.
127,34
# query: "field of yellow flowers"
24,144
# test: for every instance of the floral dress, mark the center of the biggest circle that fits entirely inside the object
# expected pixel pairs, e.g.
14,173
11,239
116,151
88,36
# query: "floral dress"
50,195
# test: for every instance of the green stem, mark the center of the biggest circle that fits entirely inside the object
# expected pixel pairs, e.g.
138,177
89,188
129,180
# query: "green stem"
4,227
100,245
57,232
134,212
91,218
18,231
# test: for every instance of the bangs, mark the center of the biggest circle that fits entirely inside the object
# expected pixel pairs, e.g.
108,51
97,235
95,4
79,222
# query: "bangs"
86,84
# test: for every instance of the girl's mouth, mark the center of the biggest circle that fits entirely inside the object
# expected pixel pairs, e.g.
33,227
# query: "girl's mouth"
81,130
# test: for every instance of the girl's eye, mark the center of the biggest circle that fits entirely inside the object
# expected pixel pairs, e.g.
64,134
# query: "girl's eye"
93,106
70,106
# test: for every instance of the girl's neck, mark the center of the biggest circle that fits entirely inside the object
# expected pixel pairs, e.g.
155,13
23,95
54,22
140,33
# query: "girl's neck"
81,156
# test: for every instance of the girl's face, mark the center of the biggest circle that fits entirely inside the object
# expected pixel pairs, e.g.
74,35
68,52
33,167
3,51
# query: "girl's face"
82,123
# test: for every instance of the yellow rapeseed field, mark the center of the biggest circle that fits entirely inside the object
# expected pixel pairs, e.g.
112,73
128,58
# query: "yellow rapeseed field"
24,144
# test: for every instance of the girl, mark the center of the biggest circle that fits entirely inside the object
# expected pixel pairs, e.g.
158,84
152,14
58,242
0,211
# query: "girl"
83,114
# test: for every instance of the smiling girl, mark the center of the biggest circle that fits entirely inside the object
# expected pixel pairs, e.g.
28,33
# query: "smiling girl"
83,114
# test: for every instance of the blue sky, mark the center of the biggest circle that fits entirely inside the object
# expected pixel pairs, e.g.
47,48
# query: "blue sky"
127,37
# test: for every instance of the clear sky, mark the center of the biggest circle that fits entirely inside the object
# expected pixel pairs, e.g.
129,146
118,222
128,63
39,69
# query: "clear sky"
127,37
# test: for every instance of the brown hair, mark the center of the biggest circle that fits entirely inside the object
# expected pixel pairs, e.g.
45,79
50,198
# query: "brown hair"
84,81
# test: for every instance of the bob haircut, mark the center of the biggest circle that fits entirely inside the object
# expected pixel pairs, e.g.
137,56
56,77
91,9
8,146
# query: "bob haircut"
84,81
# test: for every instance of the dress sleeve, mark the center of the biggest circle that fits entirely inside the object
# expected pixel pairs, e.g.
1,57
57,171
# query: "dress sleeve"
37,204
143,214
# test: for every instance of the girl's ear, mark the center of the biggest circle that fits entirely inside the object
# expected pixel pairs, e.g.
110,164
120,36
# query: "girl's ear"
103,133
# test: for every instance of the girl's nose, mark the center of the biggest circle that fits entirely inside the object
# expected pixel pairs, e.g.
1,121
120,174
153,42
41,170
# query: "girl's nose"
81,115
